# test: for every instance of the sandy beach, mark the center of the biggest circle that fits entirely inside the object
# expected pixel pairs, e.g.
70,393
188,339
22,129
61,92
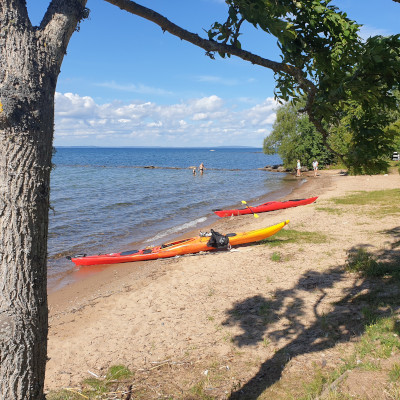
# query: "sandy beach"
250,315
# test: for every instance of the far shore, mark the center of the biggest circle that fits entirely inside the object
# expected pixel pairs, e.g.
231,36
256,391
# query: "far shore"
185,309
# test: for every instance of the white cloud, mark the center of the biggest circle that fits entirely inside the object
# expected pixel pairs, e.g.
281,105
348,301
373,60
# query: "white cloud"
199,116
158,124
84,104
263,114
182,123
207,121
211,103
140,88
368,31
217,79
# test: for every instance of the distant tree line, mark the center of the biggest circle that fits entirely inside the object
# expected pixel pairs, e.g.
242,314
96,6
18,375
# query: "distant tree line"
294,137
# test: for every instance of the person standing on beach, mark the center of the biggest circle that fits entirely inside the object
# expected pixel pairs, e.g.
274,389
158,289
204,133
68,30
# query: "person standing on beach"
201,168
298,168
315,167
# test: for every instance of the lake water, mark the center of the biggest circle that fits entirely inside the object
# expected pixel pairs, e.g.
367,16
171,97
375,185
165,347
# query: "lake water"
104,199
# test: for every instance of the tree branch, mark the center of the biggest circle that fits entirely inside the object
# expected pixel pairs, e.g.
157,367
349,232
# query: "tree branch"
60,22
211,45
14,10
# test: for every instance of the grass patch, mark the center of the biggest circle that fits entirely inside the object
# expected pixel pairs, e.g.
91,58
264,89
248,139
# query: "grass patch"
265,309
215,375
394,373
286,236
198,390
382,197
371,366
96,388
315,386
276,256
380,340
364,263
66,394
266,342
330,210
385,200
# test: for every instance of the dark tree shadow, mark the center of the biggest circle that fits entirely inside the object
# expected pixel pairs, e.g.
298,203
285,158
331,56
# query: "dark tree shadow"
392,255
255,314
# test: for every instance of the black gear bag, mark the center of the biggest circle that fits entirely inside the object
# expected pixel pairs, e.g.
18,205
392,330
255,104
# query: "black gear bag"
217,240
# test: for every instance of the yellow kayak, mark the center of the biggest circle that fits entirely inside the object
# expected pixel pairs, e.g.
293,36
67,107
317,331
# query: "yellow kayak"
180,247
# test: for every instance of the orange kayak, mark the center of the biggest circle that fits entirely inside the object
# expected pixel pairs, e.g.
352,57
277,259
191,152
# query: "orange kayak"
180,247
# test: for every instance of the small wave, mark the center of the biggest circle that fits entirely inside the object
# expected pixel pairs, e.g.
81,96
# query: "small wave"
303,181
176,229
119,205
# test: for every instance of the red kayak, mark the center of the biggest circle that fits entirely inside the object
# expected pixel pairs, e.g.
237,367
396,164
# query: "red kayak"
270,206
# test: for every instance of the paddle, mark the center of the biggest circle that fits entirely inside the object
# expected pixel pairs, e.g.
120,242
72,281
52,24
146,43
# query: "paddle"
255,215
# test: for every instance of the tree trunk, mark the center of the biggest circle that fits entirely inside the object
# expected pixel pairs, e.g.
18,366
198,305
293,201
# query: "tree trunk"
30,61
27,88
24,200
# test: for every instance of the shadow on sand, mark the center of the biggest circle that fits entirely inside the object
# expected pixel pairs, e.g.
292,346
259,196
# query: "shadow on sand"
255,314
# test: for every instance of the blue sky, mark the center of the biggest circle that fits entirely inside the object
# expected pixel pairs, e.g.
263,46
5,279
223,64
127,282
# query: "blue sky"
124,82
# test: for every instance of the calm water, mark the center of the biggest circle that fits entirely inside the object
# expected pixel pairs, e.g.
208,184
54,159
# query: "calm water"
104,200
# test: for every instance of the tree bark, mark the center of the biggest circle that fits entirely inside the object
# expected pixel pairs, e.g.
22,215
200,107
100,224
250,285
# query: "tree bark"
26,132
30,60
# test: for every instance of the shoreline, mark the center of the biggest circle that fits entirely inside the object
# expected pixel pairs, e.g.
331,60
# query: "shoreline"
187,308
90,281
72,276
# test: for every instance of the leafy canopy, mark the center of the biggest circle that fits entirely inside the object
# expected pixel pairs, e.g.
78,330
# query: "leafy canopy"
314,37
343,78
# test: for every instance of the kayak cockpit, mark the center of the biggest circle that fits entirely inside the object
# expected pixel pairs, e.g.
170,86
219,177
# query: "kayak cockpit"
128,253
